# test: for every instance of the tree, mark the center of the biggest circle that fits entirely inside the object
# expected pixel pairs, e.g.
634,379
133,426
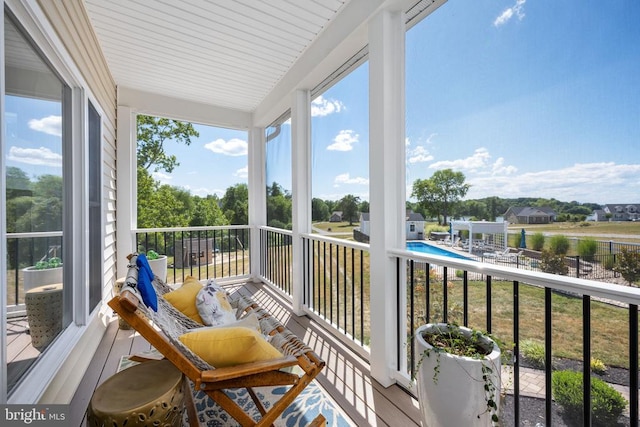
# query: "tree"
628,265
153,132
440,193
235,204
319,210
349,206
207,212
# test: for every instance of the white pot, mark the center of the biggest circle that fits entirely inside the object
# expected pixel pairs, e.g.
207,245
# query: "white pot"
34,278
451,388
159,267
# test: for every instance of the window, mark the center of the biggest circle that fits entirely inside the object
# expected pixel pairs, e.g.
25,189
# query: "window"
526,101
96,242
278,173
35,146
340,145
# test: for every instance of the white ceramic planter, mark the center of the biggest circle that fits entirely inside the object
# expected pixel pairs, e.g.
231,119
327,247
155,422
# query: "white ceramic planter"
457,396
159,267
34,278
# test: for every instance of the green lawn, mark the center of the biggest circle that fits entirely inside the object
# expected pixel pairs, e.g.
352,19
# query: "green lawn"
627,228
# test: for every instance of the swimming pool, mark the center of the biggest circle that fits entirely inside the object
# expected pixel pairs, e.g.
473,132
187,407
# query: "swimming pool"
433,250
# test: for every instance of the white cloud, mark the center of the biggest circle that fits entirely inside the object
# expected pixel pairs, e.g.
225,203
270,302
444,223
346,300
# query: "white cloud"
344,141
321,107
516,10
345,178
604,182
35,156
232,147
419,155
476,162
499,168
162,177
242,172
51,125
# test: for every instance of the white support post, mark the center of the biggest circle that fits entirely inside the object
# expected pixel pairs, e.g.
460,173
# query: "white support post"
257,195
387,192
126,182
301,187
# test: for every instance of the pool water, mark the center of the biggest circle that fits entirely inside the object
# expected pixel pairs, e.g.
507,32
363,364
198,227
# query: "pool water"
432,250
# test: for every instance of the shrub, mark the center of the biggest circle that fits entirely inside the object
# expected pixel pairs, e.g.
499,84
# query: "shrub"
459,274
628,265
553,263
533,351
598,366
607,404
587,248
559,244
537,242
609,262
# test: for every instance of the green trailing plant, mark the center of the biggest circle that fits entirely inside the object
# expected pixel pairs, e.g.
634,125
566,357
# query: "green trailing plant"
551,262
537,241
533,351
559,244
53,262
151,255
628,265
587,249
607,403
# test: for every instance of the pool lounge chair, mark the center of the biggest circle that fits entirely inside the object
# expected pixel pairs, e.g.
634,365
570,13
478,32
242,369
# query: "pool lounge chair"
497,254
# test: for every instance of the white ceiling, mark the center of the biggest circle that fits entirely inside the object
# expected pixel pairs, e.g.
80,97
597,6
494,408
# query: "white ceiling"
228,53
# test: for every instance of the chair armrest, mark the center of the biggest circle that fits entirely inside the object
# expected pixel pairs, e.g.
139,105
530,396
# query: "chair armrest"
239,371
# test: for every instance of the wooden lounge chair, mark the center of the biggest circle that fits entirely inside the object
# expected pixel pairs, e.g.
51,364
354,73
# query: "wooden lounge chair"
162,329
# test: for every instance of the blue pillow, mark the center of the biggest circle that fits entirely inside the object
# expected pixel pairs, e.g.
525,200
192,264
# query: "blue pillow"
145,277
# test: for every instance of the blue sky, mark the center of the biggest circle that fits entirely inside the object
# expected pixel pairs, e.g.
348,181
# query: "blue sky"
528,98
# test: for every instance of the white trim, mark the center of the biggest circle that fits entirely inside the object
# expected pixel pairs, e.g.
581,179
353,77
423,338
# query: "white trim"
387,178
126,184
3,228
256,161
179,109
301,188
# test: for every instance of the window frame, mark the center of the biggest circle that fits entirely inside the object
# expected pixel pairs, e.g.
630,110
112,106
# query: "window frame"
35,26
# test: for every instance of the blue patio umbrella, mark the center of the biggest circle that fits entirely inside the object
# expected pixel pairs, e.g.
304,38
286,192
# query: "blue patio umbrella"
523,242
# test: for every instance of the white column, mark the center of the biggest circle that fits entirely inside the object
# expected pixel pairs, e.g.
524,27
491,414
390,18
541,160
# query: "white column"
257,194
387,185
126,183
301,187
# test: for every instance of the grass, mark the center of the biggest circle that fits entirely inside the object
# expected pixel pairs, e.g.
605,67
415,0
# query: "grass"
595,230
337,227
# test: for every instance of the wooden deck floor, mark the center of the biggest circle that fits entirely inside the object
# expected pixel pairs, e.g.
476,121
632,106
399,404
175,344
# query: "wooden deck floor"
346,378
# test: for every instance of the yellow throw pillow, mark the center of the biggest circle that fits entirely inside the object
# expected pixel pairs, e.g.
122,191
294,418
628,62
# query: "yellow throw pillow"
184,298
229,346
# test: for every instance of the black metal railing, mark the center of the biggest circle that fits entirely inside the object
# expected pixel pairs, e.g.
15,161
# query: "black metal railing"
276,258
336,285
202,252
25,251
573,318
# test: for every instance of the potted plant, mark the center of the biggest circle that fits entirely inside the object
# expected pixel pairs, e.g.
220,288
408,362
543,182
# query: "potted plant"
458,376
158,264
44,272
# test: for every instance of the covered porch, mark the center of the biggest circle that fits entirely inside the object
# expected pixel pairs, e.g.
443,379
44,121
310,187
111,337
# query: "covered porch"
324,289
